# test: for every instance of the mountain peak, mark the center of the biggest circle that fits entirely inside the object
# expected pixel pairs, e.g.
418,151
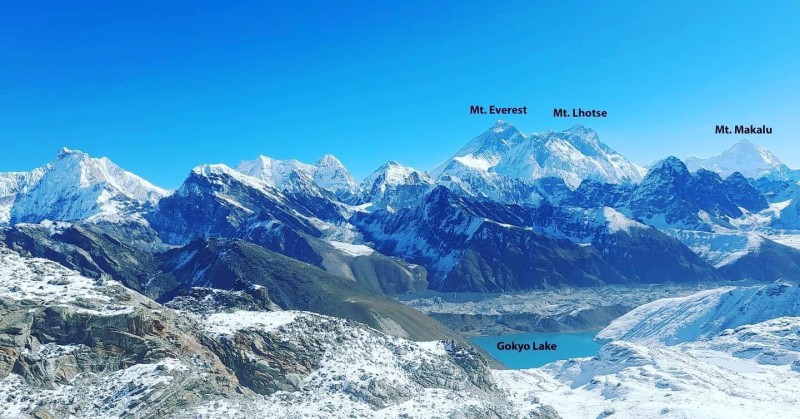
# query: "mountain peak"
76,186
211,169
67,152
575,154
485,150
501,125
579,129
670,162
394,173
328,160
745,142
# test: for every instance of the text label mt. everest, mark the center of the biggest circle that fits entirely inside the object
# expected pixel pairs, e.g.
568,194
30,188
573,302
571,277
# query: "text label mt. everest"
498,110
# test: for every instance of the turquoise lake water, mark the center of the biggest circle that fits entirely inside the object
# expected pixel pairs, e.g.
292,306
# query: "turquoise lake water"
568,345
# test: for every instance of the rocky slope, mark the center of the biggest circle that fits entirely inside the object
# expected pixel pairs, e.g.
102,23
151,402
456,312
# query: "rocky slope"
73,346
285,283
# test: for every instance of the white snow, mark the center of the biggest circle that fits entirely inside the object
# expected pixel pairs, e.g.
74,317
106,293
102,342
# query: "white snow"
230,323
49,283
704,314
352,249
116,395
617,221
393,174
502,153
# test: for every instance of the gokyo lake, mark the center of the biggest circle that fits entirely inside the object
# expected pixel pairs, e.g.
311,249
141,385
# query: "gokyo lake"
531,350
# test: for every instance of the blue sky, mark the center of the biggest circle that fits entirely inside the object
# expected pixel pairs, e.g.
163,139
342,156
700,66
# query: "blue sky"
160,88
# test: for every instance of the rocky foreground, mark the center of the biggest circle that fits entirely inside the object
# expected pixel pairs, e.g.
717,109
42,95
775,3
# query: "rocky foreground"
71,346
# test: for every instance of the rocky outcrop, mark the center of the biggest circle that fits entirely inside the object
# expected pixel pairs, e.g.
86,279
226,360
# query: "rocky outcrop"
62,333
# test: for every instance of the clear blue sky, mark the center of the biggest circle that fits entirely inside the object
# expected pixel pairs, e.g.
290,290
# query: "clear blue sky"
161,88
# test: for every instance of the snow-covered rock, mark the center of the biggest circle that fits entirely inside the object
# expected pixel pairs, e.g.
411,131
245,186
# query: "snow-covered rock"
11,183
341,369
635,380
76,347
330,174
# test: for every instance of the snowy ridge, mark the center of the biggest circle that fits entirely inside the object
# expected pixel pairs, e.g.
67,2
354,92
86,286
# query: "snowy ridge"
705,314
124,388
575,154
213,171
616,221
392,174
328,173
227,324
395,186
718,248
632,380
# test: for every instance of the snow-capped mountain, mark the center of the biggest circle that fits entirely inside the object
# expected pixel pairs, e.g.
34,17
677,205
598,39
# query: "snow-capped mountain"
74,186
328,174
395,186
502,164
473,245
217,201
484,151
575,154
744,157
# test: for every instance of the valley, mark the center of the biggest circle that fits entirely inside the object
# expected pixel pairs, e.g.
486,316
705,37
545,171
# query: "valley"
566,310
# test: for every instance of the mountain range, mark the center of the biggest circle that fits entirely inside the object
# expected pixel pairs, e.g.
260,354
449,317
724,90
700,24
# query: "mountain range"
508,211
271,287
